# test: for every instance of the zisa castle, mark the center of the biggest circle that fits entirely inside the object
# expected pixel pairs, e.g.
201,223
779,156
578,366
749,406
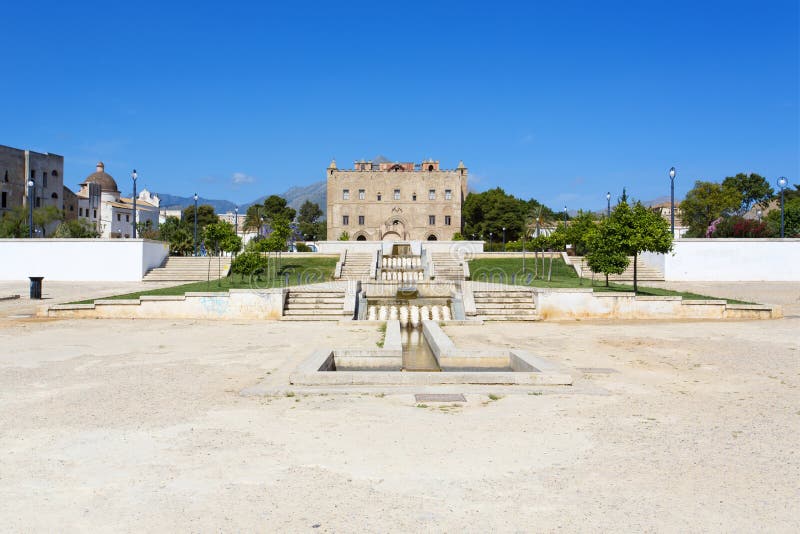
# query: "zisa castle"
399,201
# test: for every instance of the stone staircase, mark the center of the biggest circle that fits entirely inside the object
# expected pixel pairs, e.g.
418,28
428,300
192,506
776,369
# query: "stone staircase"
189,269
506,304
356,266
315,304
644,273
446,267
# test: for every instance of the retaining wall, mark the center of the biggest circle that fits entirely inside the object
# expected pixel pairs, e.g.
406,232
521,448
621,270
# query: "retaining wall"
234,304
101,260
586,304
729,260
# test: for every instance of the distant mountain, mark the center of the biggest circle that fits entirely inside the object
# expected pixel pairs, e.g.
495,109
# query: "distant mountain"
295,196
174,202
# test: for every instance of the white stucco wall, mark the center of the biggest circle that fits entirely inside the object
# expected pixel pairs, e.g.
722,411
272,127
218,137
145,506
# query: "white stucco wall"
729,260
107,260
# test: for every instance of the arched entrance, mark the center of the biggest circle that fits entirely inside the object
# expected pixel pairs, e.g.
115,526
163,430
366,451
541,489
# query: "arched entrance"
391,236
361,238
431,237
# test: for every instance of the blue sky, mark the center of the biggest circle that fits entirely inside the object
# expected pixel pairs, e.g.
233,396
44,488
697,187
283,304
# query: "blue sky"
561,101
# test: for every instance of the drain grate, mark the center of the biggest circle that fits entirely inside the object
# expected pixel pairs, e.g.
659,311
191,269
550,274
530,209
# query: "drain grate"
440,397
597,370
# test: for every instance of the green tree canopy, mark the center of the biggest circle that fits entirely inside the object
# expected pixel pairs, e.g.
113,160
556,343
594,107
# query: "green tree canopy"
791,218
752,188
76,229
706,202
605,249
272,207
637,229
493,210
221,237
15,222
577,232
179,236
308,220
205,215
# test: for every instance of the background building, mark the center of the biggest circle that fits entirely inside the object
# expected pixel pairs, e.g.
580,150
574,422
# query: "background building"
46,171
111,213
395,201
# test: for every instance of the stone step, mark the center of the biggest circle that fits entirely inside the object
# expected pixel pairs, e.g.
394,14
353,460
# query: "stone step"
313,300
323,298
314,305
322,312
312,318
506,311
317,294
523,318
506,307
504,299
502,295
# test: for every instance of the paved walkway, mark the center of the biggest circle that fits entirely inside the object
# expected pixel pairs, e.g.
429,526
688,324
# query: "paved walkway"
62,292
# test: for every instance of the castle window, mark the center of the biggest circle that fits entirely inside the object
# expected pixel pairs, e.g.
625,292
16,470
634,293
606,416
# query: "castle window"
345,220
6,178
361,220
119,217
430,167
95,214
54,173
447,220
54,195
80,212
38,202
448,194
432,220
345,194
362,194
127,218
4,200
33,173
414,197
397,194
379,197
432,194
44,179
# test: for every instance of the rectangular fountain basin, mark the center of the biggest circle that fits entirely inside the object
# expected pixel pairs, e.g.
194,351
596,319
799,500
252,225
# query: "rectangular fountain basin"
385,366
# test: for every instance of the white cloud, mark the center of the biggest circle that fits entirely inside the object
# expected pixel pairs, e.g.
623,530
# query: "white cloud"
240,178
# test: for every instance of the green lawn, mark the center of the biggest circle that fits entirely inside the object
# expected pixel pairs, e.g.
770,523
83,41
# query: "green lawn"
295,271
509,270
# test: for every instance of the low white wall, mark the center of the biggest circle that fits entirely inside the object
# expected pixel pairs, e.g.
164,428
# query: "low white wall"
729,260
80,260
235,304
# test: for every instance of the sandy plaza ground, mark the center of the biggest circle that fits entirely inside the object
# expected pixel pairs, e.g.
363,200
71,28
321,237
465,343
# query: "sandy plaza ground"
131,425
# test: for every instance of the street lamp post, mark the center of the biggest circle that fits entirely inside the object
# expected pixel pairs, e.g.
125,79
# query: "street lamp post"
195,224
490,241
782,181
133,177
608,207
565,217
759,213
672,200
236,220
504,239
31,191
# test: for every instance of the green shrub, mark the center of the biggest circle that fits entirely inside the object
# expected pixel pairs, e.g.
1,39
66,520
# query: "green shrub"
248,263
302,247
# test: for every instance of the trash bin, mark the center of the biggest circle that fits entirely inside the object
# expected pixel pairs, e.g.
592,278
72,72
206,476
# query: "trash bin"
36,286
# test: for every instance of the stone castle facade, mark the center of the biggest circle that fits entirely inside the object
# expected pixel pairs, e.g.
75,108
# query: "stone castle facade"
17,167
400,201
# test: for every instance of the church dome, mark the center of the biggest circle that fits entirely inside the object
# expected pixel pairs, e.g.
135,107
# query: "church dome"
100,176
